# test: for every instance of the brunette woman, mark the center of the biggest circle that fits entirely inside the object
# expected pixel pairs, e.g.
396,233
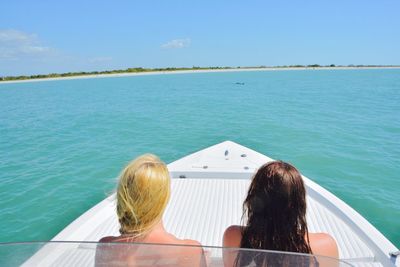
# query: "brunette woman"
274,213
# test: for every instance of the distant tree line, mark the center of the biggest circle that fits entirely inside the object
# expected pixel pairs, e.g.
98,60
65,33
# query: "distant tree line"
85,73
140,70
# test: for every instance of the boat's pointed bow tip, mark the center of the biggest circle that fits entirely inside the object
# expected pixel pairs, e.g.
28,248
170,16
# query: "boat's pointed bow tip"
229,142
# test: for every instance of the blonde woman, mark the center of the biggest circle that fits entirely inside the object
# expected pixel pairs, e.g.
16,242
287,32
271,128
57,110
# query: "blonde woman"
142,196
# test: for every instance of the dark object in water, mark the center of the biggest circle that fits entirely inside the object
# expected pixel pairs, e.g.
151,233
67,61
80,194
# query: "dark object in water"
238,83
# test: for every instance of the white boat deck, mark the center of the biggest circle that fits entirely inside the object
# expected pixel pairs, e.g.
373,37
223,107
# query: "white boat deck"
206,200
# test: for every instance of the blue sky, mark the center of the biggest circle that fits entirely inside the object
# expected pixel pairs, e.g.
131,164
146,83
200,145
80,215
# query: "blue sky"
61,36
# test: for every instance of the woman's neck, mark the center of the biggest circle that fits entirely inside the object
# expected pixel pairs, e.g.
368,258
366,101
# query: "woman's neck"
157,230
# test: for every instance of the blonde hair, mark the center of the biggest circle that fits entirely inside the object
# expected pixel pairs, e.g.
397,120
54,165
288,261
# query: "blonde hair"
142,194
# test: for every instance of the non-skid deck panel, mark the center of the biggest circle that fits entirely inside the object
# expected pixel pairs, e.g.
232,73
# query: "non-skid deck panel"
320,219
201,209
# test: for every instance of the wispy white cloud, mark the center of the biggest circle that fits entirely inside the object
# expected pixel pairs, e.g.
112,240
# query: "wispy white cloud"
100,59
15,36
177,43
15,44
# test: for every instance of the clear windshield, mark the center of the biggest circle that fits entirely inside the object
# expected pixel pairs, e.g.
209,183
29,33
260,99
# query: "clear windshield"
134,254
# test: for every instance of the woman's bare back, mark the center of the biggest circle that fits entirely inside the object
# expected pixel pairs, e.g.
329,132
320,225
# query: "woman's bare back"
322,244
158,248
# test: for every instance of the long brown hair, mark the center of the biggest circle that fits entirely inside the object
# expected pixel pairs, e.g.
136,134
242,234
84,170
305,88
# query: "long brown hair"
275,212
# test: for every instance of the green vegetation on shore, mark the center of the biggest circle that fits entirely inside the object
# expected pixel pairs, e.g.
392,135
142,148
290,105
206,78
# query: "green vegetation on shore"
141,70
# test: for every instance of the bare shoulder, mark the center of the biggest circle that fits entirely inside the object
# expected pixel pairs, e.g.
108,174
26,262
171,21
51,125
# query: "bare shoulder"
171,239
232,236
107,239
190,242
194,248
323,244
322,239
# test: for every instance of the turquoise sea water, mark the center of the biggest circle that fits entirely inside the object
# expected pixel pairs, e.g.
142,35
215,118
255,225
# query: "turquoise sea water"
62,143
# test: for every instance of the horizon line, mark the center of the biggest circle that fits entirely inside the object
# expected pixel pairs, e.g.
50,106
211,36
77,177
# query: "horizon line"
141,70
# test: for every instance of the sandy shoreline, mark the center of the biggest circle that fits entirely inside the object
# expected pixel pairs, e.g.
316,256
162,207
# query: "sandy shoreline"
190,71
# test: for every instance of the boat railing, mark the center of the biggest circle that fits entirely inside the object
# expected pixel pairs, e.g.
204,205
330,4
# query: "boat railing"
144,254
